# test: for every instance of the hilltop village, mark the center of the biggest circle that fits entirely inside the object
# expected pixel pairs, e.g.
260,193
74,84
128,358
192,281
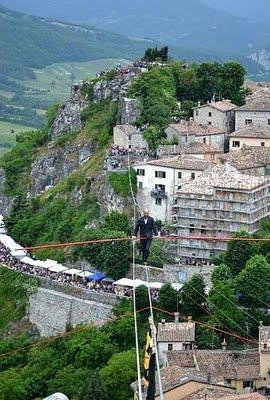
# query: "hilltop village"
198,157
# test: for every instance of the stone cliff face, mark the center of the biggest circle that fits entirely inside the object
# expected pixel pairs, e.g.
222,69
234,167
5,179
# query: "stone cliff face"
58,162
69,115
129,110
262,56
5,201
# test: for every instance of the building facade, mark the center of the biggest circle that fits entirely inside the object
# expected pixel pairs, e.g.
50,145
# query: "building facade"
219,114
188,132
219,203
256,111
175,336
129,137
251,135
249,160
159,180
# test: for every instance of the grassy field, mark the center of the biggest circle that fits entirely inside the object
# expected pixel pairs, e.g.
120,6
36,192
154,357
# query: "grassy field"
8,132
52,83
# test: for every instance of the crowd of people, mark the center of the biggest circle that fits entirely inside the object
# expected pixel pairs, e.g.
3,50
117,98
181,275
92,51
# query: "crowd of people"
119,157
105,286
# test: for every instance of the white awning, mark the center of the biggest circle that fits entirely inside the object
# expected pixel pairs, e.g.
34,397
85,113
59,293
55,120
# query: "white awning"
14,247
130,282
58,268
18,253
72,271
155,285
124,282
139,282
177,286
30,261
83,274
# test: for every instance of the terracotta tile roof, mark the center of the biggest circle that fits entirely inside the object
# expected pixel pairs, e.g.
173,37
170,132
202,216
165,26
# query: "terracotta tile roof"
262,92
183,359
253,131
256,104
247,396
213,394
192,148
176,332
219,364
221,176
193,128
222,105
181,162
248,157
201,148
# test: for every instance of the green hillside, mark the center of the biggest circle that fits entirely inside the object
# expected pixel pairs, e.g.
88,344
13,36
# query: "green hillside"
40,58
46,42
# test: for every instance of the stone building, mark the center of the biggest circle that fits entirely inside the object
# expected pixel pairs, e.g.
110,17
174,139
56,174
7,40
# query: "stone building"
187,132
219,203
256,111
175,336
219,114
159,180
249,160
250,135
239,370
129,137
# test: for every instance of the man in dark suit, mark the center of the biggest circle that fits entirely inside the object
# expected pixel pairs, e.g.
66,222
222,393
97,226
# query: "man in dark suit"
146,226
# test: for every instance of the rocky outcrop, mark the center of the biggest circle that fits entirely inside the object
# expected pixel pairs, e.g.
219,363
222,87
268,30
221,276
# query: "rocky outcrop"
262,57
129,110
57,163
5,201
68,119
117,87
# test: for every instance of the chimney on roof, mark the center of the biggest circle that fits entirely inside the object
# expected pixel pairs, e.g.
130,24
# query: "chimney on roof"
189,319
190,119
224,345
163,322
176,317
199,104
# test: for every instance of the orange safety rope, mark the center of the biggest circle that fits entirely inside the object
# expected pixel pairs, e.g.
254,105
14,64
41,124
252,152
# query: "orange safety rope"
172,238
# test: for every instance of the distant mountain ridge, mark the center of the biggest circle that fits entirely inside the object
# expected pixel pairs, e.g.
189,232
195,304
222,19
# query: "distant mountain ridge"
188,24
36,42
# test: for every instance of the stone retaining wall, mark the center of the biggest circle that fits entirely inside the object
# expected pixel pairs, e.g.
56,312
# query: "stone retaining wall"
99,297
53,312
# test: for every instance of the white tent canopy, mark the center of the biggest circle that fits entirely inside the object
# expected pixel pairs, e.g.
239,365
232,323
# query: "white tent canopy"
83,274
15,249
58,268
177,286
72,271
30,261
155,285
124,282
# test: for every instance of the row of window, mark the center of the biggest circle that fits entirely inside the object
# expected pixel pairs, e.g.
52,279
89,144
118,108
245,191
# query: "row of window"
162,174
236,143
248,121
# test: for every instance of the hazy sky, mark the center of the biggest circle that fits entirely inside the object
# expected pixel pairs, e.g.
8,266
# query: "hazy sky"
253,9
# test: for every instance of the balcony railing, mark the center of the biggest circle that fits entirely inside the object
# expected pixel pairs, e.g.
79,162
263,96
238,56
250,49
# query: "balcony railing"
158,194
